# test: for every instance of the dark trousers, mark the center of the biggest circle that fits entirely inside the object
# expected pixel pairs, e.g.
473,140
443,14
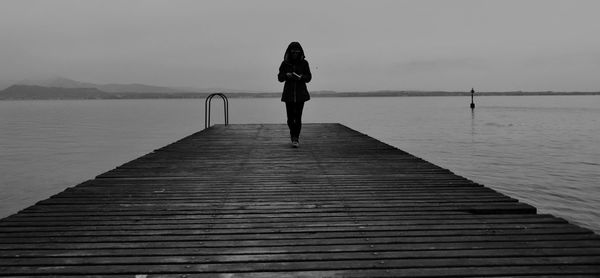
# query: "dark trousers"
294,118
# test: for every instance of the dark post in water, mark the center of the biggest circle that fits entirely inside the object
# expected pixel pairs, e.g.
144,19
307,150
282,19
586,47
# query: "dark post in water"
472,103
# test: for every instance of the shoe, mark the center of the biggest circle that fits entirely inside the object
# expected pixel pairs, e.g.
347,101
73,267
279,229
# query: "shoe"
295,144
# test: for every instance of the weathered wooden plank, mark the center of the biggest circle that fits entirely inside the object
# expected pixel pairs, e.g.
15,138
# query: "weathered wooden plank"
492,246
308,256
183,223
375,263
286,233
241,243
412,250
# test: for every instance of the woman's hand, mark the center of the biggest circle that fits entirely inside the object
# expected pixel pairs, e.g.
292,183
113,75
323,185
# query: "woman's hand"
293,76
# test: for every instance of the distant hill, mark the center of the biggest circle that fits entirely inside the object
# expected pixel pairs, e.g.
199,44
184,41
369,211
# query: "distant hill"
61,82
39,92
5,84
137,88
29,92
56,82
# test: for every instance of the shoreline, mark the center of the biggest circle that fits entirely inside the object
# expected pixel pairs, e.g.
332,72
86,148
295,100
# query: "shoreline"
318,94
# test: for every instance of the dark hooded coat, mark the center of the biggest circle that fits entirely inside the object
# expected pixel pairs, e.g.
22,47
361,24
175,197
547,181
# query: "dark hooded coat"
294,90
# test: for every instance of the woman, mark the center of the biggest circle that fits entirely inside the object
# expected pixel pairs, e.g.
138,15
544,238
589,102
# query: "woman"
295,72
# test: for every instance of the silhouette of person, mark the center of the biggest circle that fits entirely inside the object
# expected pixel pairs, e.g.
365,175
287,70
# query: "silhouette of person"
294,70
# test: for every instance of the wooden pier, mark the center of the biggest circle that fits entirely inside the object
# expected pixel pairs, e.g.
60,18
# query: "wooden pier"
238,201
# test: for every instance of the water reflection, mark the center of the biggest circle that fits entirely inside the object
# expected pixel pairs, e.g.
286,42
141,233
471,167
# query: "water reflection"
472,125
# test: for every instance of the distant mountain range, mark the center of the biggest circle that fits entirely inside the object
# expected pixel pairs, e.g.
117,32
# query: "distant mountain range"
65,88
26,92
38,92
61,82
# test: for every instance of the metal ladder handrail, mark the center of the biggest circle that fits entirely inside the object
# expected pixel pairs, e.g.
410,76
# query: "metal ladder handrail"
207,103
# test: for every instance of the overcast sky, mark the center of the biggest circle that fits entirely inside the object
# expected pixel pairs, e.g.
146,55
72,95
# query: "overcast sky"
350,45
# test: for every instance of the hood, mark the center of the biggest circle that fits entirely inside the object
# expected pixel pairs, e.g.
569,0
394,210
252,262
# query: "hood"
293,46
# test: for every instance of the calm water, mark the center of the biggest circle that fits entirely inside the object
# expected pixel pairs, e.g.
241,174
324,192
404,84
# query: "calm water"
543,150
